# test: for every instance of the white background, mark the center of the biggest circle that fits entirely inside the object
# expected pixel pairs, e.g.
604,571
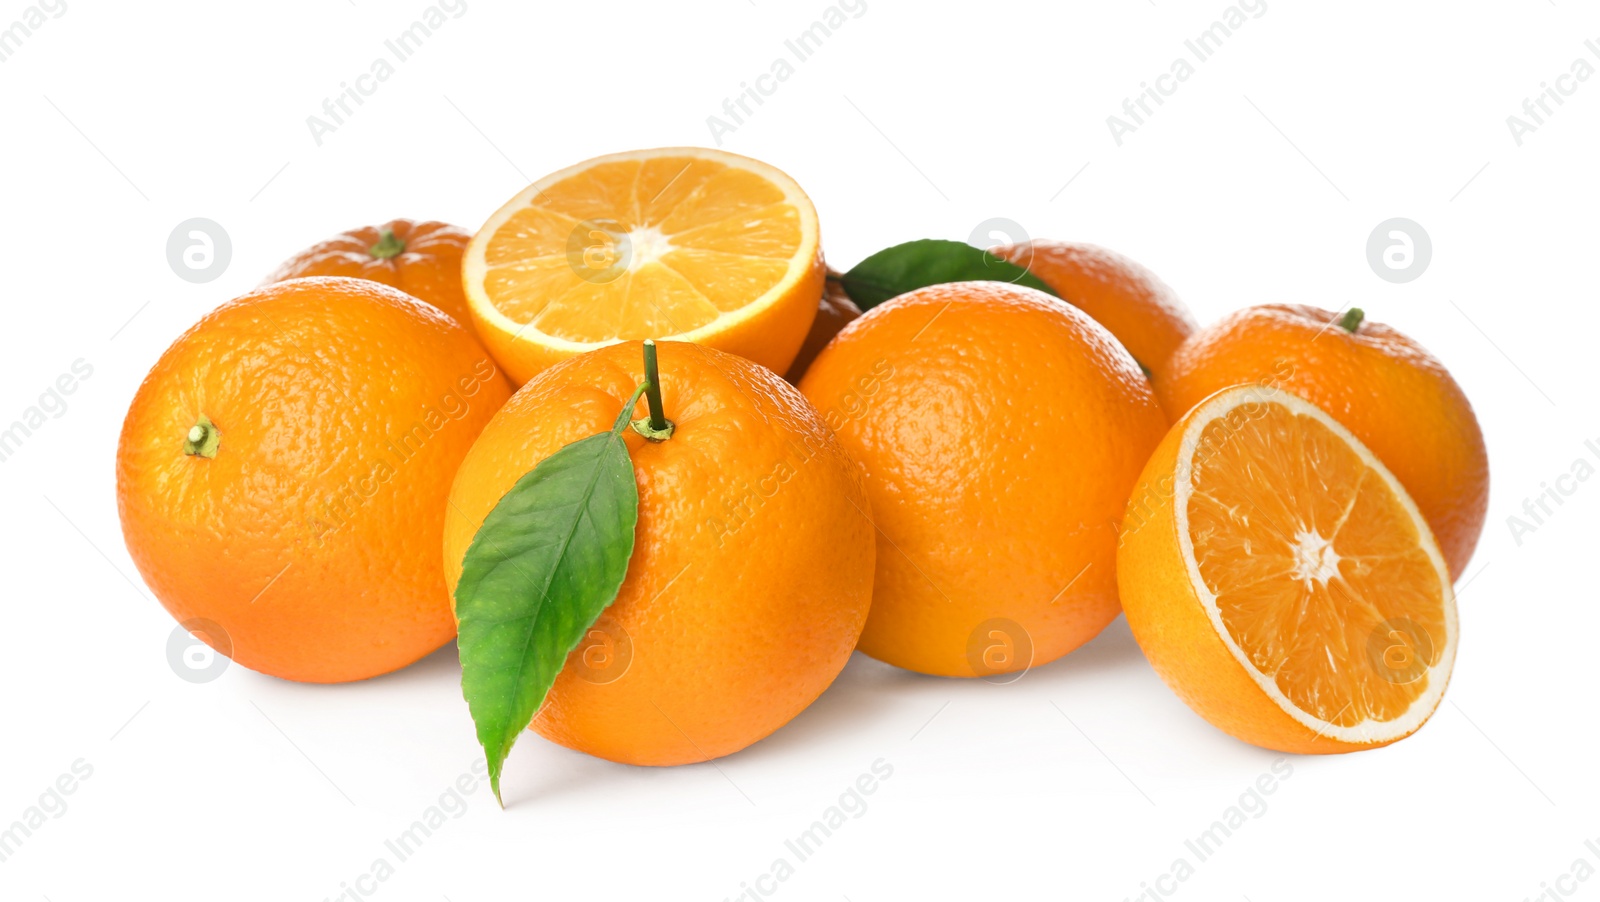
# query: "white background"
1258,181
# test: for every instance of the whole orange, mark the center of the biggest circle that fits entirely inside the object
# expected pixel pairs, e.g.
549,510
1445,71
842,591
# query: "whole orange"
1001,432
1397,398
1120,294
283,469
423,259
834,312
753,556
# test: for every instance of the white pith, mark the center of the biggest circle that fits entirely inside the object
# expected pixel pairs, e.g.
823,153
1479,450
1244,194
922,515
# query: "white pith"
1314,558
648,245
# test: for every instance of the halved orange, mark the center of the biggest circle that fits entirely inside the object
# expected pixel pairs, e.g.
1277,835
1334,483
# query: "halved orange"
1282,582
680,243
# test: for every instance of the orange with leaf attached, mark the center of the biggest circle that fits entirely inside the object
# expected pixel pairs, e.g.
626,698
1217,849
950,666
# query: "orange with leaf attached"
752,562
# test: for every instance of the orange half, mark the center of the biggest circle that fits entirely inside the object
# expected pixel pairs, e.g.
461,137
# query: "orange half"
676,243
1282,581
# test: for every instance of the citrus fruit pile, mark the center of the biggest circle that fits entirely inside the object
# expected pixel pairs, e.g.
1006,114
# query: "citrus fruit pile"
658,550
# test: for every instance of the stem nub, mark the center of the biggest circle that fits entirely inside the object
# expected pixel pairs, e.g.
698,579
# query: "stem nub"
202,439
656,427
1352,318
389,245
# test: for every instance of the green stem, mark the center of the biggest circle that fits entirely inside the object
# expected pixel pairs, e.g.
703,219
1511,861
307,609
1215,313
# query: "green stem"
389,245
626,415
1352,318
656,427
652,394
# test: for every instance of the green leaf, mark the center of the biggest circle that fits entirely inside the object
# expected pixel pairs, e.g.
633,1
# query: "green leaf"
546,563
930,261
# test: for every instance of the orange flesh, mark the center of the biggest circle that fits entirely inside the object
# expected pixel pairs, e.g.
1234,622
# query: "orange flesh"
1319,572
701,238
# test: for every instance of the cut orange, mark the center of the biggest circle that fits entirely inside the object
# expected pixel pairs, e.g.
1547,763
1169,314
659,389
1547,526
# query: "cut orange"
677,243
1282,582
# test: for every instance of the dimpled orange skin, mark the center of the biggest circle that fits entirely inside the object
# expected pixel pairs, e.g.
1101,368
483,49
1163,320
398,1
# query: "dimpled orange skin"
834,312
753,556
1120,294
1397,398
429,268
311,537
1001,432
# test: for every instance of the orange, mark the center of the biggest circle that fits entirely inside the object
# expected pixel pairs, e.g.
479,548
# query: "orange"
1282,582
834,312
1000,431
422,259
1397,398
752,565
1128,299
334,412
680,242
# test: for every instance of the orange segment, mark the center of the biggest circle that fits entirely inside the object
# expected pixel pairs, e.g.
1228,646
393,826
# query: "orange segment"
665,182
1281,580
588,312
723,194
726,280
686,243
528,233
524,289
663,302
773,231
603,191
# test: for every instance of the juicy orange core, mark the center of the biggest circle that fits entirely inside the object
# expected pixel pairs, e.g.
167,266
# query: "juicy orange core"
1319,572
642,248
